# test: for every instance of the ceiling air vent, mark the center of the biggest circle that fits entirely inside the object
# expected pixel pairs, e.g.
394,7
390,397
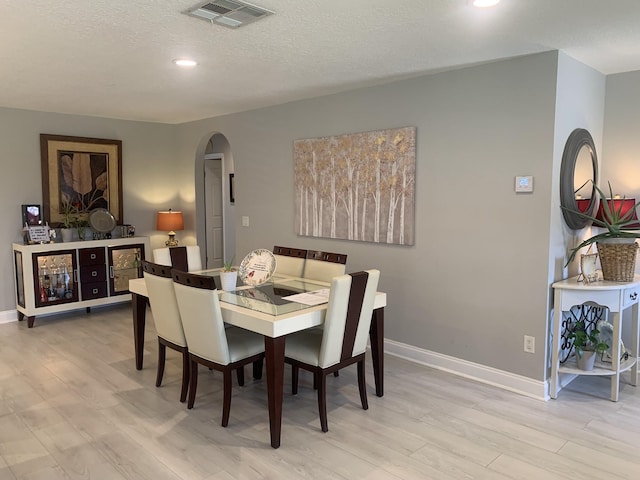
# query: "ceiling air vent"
229,13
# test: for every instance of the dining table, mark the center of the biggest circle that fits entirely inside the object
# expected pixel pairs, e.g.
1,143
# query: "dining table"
264,309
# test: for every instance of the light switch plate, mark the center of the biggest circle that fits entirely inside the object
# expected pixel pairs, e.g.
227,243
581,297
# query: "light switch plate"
245,221
524,184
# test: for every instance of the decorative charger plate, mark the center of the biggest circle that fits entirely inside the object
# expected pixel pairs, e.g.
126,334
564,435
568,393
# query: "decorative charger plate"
101,220
257,267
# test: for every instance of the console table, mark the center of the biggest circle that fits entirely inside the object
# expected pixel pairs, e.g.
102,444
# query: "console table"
616,297
56,277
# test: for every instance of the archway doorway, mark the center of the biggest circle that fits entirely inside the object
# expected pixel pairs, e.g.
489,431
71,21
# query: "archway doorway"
218,218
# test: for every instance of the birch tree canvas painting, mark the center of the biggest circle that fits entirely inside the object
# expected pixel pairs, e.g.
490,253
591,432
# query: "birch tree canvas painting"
357,187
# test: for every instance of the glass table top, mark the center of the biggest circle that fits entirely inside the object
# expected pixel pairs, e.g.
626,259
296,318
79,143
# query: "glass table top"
268,297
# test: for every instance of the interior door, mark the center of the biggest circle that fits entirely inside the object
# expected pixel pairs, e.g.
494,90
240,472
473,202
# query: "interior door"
214,224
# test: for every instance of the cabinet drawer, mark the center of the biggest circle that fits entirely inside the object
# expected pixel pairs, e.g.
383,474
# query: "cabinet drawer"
630,296
94,290
93,273
91,256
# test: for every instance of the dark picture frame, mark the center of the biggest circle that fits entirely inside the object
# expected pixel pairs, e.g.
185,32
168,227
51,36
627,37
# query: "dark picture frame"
31,215
232,192
84,172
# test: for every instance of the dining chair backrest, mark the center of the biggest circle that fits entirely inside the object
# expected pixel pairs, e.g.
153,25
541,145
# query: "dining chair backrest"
186,259
324,266
164,306
201,316
348,317
289,261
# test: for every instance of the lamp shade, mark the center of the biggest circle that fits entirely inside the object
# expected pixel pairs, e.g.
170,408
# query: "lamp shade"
623,205
170,221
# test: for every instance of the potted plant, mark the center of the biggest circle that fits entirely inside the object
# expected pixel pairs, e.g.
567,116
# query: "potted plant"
228,276
617,247
70,213
586,344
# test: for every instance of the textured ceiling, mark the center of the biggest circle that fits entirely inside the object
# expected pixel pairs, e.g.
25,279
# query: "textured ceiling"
114,58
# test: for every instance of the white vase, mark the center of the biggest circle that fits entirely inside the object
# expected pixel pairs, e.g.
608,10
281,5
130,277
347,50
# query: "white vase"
587,360
228,280
67,234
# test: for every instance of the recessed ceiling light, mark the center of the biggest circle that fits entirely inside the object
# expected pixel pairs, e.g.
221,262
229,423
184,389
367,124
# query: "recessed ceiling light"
183,62
485,3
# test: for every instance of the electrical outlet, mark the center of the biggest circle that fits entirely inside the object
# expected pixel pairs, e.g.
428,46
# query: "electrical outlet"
529,344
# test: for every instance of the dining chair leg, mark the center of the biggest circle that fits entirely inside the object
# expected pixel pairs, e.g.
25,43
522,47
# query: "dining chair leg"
226,401
322,399
185,376
162,352
240,373
362,385
193,384
257,369
294,379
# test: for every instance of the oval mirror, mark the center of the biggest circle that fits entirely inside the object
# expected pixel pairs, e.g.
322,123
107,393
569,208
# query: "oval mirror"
578,176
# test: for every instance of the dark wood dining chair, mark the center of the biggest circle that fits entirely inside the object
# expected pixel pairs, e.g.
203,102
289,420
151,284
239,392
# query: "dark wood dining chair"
289,261
324,266
184,258
210,344
166,317
342,341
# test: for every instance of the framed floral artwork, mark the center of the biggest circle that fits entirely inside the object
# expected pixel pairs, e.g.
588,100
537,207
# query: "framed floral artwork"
85,173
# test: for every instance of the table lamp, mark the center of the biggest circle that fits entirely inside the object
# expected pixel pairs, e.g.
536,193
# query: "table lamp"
170,222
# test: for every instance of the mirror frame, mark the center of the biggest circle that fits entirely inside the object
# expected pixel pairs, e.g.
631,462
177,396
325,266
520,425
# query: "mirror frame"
579,138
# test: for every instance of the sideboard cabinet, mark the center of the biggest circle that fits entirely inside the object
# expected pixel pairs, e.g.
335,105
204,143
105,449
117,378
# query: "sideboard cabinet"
56,277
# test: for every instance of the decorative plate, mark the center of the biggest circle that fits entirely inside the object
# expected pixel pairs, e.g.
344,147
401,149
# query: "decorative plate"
101,220
257,267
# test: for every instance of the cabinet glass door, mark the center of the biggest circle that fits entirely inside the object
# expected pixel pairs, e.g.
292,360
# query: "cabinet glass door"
54,278
125,263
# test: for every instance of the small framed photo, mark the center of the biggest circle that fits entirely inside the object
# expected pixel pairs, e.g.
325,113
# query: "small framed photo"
31,215
588,268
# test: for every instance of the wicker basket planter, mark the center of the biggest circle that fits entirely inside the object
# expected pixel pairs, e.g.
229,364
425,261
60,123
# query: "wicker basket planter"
618,260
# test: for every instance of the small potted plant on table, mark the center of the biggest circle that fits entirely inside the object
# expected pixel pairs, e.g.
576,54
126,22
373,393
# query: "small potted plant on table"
228,276
70,213
586,344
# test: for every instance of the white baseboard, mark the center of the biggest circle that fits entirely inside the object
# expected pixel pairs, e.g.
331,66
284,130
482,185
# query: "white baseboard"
9,316
481,373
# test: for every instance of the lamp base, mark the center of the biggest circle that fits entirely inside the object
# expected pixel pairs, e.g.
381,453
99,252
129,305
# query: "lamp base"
172,242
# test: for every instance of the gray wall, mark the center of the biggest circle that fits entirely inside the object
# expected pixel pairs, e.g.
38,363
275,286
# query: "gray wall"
621,153
476,280
149,171
621,130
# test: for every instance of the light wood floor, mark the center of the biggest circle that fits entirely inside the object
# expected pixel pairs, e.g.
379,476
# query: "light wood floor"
73,406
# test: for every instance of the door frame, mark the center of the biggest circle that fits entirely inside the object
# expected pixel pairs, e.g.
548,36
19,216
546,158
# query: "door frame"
223,189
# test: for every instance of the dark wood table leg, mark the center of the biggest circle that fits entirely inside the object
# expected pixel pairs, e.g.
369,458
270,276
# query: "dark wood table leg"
376,335
30,321
274,356
139,307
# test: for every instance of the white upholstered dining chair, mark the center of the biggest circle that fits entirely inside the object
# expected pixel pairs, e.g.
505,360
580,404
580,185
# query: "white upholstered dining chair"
289,261
166,317
210,344
341,342
186,259
324,266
